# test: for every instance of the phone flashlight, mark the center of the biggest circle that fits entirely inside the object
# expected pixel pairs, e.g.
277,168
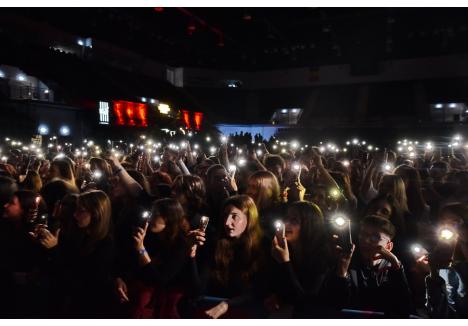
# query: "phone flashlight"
334,193
278,225
339,220
387,167
232,168
204,223
345,163
97,175
296,167
144,218
342,231
418,251
446,234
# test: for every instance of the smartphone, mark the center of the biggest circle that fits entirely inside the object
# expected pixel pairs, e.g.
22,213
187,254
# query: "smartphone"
144,218
41,219
204,223
280,232
341,229
418,251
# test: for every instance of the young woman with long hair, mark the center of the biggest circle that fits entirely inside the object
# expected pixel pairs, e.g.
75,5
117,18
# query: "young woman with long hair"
161,248
86,258
233,268
189,191
302,259
264,189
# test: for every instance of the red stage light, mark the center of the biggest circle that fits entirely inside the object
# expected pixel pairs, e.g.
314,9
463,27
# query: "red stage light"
159,9
198,118
142,114
118,108
130,113
186,116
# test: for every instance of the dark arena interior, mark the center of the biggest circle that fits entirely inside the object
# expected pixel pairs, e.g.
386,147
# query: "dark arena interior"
202,162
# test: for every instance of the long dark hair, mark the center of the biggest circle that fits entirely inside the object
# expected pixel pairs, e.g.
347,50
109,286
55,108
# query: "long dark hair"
173,214
193,188
313,232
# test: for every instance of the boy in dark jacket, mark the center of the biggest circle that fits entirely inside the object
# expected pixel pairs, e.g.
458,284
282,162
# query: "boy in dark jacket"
374,280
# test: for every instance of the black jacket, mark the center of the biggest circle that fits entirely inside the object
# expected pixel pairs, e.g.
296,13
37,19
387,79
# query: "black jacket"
379,289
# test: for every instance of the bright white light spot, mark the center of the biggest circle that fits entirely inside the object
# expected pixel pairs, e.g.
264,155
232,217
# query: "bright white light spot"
340,221
446,234
43,130
64,131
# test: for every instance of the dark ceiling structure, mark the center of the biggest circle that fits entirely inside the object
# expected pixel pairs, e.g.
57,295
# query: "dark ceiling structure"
267,38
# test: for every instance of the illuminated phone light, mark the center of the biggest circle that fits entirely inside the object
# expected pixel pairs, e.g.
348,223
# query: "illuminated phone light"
348,143
387,167
232,168
242,161
429,146
417,249
363,143
97,174
208,139
355,141
340,220
146,215
322,149
335,193
410,148
346,163
196,146
212,150
296,167
400,149
259,152
446,234
412,154
224,139
283,151
275,147
4,158
278,225
239,151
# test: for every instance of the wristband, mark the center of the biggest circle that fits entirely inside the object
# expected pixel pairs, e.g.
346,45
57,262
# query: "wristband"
118,171
141,252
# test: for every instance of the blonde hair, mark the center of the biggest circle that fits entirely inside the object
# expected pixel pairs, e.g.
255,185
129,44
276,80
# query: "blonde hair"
396,189
264,189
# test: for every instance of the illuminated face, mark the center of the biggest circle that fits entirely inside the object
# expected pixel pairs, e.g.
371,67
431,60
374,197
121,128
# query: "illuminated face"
235,222
12,209
158,224
82,217
293,227
370,238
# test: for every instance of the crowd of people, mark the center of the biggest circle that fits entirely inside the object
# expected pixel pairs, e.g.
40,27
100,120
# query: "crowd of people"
269,229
